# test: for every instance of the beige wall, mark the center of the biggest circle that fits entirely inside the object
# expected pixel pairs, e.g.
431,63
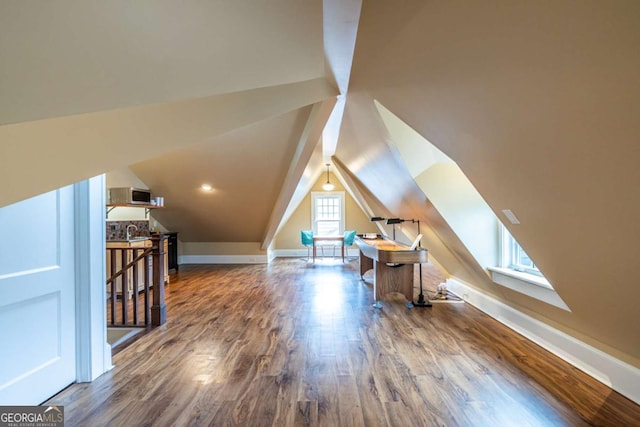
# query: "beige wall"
554,144
221,248
289,235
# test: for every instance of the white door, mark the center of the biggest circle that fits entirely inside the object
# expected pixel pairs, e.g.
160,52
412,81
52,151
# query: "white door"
37,298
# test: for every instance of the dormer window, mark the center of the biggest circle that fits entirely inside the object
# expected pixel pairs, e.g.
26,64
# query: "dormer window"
514,257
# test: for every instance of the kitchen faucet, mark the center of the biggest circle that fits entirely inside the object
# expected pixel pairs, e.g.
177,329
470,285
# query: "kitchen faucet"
129,230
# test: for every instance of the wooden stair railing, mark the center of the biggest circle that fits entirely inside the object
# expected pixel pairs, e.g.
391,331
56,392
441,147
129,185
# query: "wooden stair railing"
118,302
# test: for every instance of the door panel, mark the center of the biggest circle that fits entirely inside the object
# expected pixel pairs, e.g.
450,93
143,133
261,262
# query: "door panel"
29,232
37,298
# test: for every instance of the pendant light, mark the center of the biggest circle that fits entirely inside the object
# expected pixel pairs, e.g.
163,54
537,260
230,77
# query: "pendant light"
327,186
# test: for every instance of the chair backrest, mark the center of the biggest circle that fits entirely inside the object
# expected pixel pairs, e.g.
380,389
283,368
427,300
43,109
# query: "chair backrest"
307,237
349,237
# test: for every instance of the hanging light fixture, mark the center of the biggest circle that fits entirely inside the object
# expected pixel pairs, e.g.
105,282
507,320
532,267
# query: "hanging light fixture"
327,186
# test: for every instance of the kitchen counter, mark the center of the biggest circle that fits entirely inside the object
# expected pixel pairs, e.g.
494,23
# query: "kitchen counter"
126,244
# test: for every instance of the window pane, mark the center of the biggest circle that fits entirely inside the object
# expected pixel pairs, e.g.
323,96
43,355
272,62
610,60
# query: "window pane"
328,228
327,213
520,260
328,208
523,259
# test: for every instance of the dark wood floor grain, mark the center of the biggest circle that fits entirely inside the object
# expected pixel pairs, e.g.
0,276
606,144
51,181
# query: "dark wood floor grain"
290,344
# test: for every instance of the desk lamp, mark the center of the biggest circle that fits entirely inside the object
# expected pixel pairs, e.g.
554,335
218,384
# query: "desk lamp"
393,222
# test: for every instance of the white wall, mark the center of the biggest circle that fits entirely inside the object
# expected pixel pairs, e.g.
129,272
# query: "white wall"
464,210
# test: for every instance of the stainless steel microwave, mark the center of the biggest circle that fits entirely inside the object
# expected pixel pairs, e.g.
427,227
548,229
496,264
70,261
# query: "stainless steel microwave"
129,195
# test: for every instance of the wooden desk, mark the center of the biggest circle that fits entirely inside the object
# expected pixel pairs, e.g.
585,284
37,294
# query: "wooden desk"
330,239
392,265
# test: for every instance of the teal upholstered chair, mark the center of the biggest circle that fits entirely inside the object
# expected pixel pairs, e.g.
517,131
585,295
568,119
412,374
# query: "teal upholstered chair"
306,236
349,237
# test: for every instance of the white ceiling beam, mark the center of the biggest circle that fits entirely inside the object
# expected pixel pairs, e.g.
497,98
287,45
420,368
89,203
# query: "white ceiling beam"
69,149
308,142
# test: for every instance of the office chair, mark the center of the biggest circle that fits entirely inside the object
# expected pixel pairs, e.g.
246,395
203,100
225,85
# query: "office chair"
306,236
349,237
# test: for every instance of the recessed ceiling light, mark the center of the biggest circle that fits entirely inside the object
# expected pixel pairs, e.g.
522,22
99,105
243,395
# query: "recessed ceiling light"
206,187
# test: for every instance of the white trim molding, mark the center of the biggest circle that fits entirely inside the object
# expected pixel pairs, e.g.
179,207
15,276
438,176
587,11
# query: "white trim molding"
315,195
93,353
254,259
223,259
612,372
302,253
534,286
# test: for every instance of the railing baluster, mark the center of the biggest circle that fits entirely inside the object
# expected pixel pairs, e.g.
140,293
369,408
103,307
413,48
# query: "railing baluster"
130,265
135,288
113,286
125,289
159,308
147,278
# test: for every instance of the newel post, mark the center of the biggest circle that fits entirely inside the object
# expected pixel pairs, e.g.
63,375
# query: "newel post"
158,308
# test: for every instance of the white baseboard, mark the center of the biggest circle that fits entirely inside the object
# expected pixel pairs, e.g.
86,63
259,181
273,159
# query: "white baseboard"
302,253
251,259
290,253
612,372
223,259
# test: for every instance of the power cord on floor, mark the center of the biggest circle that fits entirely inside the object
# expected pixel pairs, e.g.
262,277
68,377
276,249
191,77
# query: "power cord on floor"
442,293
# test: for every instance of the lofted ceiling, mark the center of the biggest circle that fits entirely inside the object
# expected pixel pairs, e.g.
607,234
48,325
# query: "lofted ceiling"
233,164
537,103
79,57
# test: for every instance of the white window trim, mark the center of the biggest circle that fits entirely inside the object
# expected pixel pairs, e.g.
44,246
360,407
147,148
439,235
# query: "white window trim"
506,256
521,281
320,194
531,279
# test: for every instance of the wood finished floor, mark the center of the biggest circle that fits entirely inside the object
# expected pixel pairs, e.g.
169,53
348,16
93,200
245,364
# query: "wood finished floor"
291,344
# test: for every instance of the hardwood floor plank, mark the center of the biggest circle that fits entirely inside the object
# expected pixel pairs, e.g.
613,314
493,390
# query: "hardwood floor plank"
224,414
318,383
373,410
289,344
306,413
349,406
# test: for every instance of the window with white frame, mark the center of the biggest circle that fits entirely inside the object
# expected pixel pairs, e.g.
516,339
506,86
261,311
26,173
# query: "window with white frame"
519,273
327,213
514,257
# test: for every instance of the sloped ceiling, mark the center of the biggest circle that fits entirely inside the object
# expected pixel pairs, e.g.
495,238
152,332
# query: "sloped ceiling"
70,57
537,102
88,88
251,161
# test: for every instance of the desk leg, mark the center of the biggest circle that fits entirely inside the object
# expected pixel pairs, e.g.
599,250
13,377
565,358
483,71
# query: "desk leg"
398,278
343,252
376,285
366,264
314,251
